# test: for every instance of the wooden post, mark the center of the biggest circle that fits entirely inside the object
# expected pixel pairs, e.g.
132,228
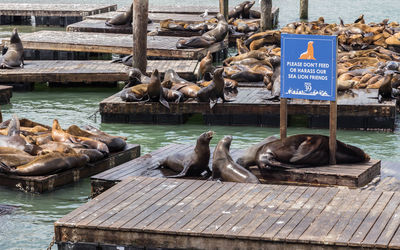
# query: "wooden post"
266,15
283,118
332,132
303,9
139,25
224,8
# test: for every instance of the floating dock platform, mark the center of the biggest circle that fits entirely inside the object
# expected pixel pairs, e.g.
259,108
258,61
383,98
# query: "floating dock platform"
49,14
154,17
40,184
93,71
161,213
157,46
5,94
350,175
357,109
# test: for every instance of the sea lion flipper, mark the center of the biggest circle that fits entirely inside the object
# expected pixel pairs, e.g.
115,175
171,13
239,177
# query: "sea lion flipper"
212,103
183,173
164,102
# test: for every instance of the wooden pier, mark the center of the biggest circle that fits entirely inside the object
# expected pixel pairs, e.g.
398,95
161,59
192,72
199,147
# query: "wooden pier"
350,175
154,17
92,71
50,14
145,212
5,94
358,109
157,46
40,184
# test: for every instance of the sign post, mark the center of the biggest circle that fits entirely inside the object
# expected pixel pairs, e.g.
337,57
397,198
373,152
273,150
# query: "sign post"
308,71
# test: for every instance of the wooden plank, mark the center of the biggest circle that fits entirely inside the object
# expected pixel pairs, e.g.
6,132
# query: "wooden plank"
157,46
386,226
154,17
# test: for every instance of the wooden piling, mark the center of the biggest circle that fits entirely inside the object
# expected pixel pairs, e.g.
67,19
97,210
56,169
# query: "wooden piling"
303,9
140,15
223,8
266,15
332,132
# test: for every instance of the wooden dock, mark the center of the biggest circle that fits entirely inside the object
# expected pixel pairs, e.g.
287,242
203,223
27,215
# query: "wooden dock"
40,184
92,71
157,46
154,17
145,212
350,175
50,14
5,94
358,109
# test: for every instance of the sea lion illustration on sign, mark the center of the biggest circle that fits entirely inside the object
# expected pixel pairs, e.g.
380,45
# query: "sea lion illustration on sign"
309,54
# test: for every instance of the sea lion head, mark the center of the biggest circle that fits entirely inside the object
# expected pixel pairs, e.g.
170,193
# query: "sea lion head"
155,76
15,37
206,137
218,73
220,17
226,141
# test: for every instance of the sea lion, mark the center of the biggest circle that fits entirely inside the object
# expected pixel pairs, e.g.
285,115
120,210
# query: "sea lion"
249,156
155,90
224,168
214,91
124,18
173,81
14,157
113,143
237,11
241,48
306,150
53,146
173,95
194,163
246,9
47,164
135,94
205,65
14,56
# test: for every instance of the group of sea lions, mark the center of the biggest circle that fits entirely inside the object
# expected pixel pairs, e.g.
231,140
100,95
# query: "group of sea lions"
173,88
30,148
296,151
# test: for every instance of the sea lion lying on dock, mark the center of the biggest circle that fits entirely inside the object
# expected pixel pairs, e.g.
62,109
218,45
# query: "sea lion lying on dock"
302,151
174,82
224,168
14,57
192,164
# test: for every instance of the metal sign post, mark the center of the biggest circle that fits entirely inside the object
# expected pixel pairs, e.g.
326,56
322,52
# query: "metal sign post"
308,71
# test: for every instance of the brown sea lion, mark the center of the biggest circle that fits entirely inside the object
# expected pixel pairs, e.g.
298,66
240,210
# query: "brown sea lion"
14,157
113,143
194,163
97,131
173,81
214,91
173,95
306,150
14,57
47,164
124,18
155,90
205,65
241,48
135,94
53,146
93,154
246,9
237,11
224,168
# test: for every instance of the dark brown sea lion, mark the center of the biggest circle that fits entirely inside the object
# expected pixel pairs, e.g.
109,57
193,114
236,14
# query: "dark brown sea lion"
224,168
214,91
193,164
14,157
306,150
249,156
155,90
124,18
14,57
113,143
236,12
246,9
93,154
173,81
47,164
206,65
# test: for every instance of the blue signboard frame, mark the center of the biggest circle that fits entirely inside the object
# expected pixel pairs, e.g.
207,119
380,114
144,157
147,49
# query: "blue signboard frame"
308,67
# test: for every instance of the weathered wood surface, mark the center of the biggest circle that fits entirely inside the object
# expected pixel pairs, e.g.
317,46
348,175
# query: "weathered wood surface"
195,214
155,17
89,71
36,9
157,46
358,110
5,94
350,175
40,184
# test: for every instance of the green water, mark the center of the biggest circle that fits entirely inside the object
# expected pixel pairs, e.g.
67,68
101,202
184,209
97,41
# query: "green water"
31,226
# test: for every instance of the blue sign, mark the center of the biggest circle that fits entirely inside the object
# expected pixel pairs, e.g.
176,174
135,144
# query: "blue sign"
308,67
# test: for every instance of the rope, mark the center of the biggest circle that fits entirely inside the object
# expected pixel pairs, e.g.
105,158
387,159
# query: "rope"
52,243
94,115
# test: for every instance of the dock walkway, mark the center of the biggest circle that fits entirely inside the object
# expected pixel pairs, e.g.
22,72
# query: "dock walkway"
357,109
90,71
350,175
195,214
157,46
